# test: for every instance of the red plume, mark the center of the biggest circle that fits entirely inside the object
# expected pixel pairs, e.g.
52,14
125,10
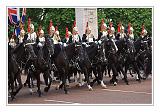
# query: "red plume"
87,25
29,22
56,29
119,28
102,22
129,26
110,24
142,28
74,23
50,24
67,35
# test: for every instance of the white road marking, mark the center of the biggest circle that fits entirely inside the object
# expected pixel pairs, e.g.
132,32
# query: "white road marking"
61,101
126,91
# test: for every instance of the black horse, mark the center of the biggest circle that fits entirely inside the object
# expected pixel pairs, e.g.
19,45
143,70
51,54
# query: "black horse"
15,56
130,54
84,63
95,55
109,50
59,58
42,64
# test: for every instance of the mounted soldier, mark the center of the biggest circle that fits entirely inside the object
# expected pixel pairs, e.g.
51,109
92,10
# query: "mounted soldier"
41,38
21,36
103,32
75,36
143,33
12,41
88,36
51,29
67,36
31,34
130,32
111,31
120,32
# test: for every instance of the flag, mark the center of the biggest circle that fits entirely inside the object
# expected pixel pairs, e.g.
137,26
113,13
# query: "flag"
13,14
17,31
23,15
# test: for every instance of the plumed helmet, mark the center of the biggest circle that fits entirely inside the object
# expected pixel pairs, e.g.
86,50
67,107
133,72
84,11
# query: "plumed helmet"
69,33
41,31
131,29
75,29
57,32
112,29
104,25
122,27
32,26
22,31
145,31
52,28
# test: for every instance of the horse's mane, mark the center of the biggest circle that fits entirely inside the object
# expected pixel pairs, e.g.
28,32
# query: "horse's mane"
16,50
91,48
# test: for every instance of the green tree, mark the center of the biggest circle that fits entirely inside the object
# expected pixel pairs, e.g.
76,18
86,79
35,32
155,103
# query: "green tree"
63,17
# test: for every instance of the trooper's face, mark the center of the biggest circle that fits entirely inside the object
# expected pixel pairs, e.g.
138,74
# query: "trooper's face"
21,34
41,35
88,31
51,32
122,30
32,30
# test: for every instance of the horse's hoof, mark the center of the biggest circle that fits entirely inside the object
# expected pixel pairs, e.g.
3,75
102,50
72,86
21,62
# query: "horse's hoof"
39,93
90,88
13,97
57,87
115,83
46,89
127,83
24,84
104,87
66,92
138,80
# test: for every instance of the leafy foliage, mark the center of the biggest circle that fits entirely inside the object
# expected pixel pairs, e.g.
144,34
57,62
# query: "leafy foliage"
63,17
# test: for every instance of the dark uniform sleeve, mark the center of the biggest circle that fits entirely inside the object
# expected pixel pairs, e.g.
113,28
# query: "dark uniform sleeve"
99,35
37,40
79,39
70,40
84,38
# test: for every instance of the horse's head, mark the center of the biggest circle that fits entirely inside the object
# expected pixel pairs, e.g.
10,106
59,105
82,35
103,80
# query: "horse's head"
109,45
30,51
49,45
79,51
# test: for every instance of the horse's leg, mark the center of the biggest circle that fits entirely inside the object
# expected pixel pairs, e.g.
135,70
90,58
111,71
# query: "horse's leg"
64,77
26,82
12,86
37,75
100,76
47,79
115,74
109,71
87,78
124,74
138,78
29,81
18,77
